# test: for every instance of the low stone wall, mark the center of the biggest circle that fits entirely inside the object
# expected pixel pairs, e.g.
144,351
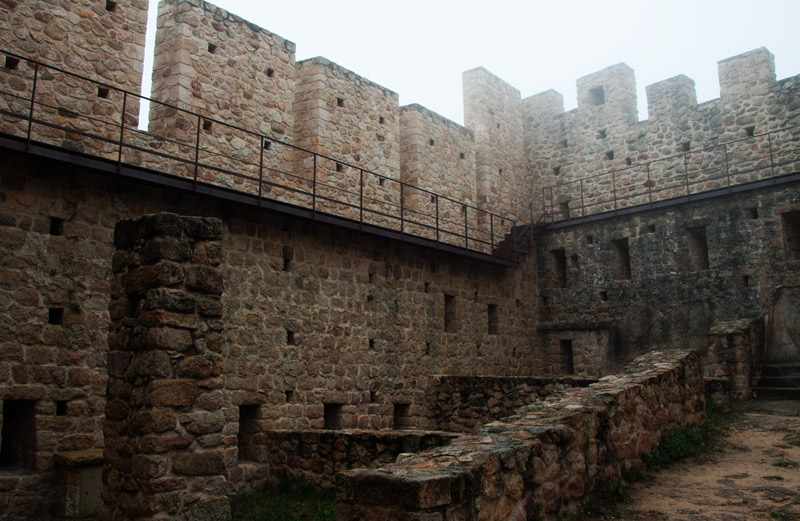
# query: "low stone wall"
542,461
463,403
318,456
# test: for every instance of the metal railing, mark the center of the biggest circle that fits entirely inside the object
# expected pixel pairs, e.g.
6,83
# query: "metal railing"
757,158
48,105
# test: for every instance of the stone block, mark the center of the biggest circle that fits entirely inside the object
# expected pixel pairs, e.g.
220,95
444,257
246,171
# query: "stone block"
172,393
199,463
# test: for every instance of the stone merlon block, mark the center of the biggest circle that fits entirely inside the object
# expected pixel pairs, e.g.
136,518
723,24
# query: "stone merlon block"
547,103
613,88
748,74
671,96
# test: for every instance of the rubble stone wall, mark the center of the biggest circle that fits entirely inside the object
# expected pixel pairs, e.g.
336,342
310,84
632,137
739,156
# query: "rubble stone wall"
670,277
582,157
543,460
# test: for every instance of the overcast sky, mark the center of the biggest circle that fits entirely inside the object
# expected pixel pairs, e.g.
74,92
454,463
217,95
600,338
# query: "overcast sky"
419,48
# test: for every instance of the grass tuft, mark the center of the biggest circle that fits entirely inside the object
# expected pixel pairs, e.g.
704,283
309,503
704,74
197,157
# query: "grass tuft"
289,501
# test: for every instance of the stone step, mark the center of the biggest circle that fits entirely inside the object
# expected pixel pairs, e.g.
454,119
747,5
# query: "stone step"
777,393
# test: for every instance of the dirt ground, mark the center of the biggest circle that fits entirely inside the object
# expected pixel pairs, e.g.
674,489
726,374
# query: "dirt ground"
751,474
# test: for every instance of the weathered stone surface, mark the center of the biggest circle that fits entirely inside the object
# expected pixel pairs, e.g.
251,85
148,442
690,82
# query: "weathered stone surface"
199,463
172,393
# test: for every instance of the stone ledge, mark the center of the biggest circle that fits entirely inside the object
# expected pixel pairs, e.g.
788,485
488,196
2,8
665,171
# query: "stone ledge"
79,458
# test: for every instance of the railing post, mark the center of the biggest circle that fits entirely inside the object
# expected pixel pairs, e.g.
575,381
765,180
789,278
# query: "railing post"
771,160
122,127
361,196
314,186
197,146
437,217
583,211
686,172
491,230
727,167
33,101
649,185
261,166
614,188
466,228
402,208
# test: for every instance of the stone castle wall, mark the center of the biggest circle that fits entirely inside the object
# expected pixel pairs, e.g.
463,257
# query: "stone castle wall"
571,155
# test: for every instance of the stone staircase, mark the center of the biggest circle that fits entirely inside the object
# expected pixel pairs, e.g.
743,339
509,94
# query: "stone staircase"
518,240
778,381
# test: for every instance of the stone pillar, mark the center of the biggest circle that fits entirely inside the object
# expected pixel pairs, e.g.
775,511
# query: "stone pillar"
165,454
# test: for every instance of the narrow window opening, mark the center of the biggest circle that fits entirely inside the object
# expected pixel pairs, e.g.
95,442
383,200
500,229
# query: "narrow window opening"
381,120
55,316
686,146
56,226
290,341
622,250
461,155
61,408
372,343
651,228
207,124
573,261
431,142
498,125
427,287
370,298
746,281
103,92
563,209
270,72
494,319
11,63
567,360
750,131
604,296
753,211
698,249
248,431
628,161
339,167
111,6
500,171
544,300
559,258
269,145
518,303
288,256
601,134
401,418
557,170
289,393
610,154
475,296
340,102
372,278
18,436
597,96
791,234
433,199
449,313
564,143
212,48
427,348
381,181
333,417
590,239
373,395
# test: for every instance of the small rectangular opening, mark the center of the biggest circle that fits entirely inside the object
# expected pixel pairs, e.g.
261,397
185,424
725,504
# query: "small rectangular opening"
55,316
651,228
401,415
270,72
597,96
18,436
623,264
753,212
431,142
212,48
111,6
340,102
288,256
289,394
557,170
339,167
333,416
449,313
564,143
11,63
61,408
745,281
248,432
372,343
56,226
590,239
381,181
791,234
601,134
628,161
462,155
604,296
373,395
269,145
610,154
290,341
567,360
103,92
563,209
207,124
381,120
559,258
493,319
749,131
686,146
698,249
